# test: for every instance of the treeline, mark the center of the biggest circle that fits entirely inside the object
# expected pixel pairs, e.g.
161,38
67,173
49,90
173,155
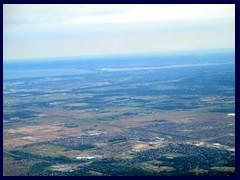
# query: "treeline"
19,155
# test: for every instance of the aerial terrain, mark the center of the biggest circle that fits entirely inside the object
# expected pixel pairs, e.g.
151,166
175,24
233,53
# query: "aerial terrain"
169,114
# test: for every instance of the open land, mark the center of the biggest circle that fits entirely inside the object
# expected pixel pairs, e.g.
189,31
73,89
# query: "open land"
121,120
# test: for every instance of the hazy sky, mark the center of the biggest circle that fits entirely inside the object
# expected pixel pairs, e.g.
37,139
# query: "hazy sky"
36,31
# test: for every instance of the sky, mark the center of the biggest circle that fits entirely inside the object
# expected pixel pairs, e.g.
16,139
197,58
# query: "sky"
49,30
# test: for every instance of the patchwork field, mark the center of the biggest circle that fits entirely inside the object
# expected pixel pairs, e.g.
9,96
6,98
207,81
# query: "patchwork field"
122,121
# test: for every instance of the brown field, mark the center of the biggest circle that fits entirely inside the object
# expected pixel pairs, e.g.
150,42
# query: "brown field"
159,168
46,132
171,116
36,134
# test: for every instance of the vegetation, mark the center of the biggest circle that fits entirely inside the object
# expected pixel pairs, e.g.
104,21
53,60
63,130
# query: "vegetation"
123,122
84,147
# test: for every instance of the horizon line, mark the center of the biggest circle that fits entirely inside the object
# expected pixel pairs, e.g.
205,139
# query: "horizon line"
82,57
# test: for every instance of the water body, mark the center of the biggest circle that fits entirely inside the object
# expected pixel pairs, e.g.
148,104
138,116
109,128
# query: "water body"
163,67
15,74
138,62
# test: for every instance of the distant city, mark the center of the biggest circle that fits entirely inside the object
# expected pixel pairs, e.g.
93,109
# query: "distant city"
146,116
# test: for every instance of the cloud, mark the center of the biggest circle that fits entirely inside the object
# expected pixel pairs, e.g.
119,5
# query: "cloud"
98,14
72,30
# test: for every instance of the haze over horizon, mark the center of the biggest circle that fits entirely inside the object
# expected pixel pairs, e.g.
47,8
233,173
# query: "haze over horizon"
48,31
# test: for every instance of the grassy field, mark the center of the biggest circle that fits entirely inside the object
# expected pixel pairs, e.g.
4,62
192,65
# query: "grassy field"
157,122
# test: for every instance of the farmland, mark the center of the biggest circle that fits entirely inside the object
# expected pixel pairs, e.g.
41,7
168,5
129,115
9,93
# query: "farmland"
116,118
